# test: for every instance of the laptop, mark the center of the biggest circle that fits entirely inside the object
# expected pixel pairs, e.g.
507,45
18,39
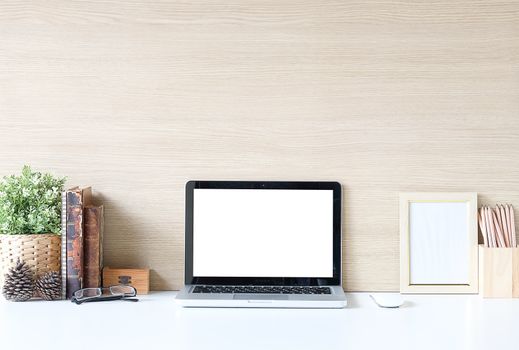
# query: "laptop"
262,244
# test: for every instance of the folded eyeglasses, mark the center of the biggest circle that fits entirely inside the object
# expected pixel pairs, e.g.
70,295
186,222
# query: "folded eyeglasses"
120,292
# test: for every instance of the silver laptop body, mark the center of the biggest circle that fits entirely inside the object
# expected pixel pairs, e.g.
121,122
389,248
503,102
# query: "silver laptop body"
263,244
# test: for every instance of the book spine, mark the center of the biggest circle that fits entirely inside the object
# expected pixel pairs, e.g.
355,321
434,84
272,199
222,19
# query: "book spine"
74,242
63,245
101,241
93,240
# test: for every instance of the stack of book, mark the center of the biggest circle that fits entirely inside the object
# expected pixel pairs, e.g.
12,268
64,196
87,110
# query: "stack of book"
82,225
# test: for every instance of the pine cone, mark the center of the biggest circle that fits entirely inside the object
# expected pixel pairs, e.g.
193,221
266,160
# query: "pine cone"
19,283
48,286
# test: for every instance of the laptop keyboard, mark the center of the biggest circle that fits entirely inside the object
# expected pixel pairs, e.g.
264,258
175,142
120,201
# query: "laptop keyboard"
262,289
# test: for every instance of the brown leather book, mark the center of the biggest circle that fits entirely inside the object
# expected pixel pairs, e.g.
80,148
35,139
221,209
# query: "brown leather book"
93,246
76,199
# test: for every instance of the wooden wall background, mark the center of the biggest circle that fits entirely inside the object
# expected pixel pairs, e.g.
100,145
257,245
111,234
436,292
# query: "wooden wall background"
137,97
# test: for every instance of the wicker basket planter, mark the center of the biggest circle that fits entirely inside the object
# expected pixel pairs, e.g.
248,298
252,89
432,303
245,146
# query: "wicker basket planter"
40,251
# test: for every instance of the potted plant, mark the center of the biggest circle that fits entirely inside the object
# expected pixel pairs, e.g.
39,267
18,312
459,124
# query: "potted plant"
30,221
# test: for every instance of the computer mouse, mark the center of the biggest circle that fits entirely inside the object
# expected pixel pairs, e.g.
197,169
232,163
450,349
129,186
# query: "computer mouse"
390,300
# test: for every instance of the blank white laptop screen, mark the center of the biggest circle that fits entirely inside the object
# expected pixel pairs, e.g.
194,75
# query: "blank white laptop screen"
262,233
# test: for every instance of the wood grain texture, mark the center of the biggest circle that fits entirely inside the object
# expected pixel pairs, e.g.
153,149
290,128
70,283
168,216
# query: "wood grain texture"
137,278
383,96
515,272
498,271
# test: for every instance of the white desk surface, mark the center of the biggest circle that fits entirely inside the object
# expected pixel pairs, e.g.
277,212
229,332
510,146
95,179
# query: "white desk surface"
156,322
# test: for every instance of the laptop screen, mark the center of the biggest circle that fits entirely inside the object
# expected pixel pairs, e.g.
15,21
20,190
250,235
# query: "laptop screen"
263,232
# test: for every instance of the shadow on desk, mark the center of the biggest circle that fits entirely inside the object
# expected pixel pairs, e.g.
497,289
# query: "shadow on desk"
408,304
353,301
357,301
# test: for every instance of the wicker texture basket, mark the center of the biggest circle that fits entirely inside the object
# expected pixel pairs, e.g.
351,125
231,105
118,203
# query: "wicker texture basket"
42,252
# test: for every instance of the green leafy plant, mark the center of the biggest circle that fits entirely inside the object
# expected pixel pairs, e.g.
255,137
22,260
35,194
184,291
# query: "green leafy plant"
30,203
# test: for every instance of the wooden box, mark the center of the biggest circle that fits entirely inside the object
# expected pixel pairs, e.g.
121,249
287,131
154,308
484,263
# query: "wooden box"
499,272
138,278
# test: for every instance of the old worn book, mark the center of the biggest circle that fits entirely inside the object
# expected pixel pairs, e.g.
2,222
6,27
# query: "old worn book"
93,245
76,199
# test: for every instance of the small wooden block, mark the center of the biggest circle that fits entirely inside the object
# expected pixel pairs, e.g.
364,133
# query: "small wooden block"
138,278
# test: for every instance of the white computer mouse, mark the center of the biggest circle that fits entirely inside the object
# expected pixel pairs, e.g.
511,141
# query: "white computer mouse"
391,300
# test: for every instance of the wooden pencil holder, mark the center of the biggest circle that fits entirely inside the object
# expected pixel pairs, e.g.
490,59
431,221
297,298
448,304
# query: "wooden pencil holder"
498,272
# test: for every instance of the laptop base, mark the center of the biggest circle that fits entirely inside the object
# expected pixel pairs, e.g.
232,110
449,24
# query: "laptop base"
336,300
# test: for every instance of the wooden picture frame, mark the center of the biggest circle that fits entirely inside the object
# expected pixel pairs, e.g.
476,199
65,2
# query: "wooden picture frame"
438,242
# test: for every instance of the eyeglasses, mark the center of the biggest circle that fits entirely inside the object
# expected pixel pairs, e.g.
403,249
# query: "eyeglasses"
121,292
